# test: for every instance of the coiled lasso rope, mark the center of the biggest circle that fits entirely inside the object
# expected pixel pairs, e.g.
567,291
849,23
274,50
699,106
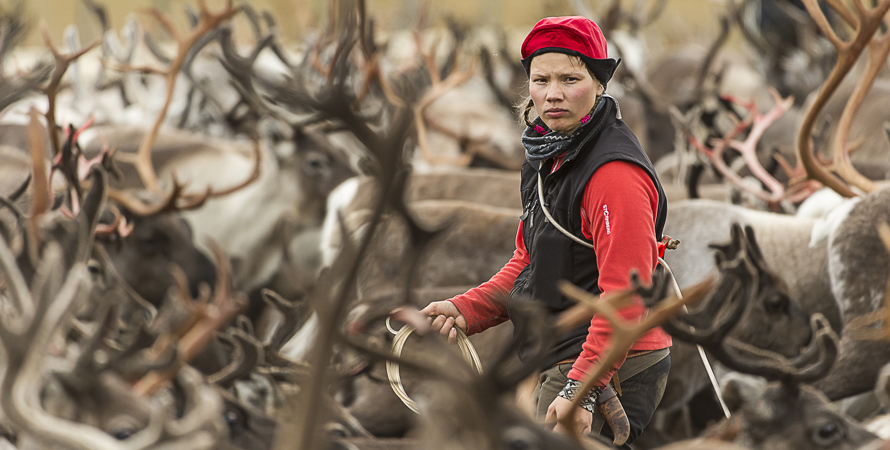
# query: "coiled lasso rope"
392,368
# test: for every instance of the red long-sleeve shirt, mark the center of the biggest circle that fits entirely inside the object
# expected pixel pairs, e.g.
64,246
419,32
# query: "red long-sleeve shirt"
618,216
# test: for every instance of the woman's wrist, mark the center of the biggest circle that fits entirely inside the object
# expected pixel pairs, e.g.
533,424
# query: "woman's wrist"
573,388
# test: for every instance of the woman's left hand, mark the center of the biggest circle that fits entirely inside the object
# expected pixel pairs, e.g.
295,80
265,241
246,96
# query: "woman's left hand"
560,408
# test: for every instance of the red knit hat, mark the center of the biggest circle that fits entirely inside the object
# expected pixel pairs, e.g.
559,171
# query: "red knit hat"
572,35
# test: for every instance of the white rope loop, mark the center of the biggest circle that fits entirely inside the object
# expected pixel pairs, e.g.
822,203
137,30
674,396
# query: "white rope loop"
392,368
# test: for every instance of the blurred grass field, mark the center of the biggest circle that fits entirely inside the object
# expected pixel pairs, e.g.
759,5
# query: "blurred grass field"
682,21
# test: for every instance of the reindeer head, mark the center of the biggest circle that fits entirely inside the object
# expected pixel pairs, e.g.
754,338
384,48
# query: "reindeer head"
145,257
785,413
749,304
772,319
776,417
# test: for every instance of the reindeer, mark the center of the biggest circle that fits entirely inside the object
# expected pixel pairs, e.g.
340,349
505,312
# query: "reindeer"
303,166
159,239
804,251
858,275
780,300
78,388
469,249
94,405
783,414
793,57
44,285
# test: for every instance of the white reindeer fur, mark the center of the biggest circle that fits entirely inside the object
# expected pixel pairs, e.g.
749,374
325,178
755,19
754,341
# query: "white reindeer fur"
338,203
829,209
784,241
471,111
299,346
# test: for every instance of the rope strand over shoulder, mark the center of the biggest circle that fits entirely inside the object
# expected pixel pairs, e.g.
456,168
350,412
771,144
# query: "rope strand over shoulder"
671,244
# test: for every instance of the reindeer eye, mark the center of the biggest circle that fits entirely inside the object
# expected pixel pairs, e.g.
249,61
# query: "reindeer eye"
828,434
123,434
94,267
231,417
520,438
315,163
122,427
153,243
235,420
776,304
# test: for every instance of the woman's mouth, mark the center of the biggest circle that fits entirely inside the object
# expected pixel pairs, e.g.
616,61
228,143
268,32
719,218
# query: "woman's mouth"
555,113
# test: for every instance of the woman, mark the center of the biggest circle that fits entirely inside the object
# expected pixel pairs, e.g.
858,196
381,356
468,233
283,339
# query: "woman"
599,185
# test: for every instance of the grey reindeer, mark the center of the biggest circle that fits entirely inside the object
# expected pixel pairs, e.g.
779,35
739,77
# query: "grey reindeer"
787,412
830,264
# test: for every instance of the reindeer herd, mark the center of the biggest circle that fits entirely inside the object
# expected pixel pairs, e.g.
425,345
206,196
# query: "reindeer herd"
203,235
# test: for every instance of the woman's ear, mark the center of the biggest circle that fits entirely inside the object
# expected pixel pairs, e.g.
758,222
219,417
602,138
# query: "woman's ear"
600,89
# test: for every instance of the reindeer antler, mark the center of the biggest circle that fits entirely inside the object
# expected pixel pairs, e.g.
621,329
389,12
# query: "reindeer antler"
43,310
758,124
437,89
41,197
865,24
207,22
52,88
209,318
178,200
241,69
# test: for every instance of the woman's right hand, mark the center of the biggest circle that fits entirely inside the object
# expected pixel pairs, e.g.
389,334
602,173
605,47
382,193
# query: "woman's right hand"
443,317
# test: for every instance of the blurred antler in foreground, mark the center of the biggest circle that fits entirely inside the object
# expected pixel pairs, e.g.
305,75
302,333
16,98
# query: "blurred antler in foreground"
624,334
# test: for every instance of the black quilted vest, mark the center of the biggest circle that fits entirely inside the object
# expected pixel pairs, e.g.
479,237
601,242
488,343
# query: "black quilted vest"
553,255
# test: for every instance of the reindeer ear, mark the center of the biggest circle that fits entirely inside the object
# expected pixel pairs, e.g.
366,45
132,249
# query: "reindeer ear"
882,387
739,389
728,251
752,249
95,198
88,217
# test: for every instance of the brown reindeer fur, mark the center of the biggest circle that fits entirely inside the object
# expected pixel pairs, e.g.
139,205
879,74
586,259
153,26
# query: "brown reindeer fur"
858,265
776,416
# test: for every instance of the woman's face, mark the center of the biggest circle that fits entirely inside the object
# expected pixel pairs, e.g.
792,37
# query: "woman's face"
562,89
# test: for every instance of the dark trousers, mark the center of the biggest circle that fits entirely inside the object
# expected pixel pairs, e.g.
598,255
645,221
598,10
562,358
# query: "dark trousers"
642,386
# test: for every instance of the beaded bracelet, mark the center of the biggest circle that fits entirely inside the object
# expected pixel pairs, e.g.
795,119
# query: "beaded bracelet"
570,391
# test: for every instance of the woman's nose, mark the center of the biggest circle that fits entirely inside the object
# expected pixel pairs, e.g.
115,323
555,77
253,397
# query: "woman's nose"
554,92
